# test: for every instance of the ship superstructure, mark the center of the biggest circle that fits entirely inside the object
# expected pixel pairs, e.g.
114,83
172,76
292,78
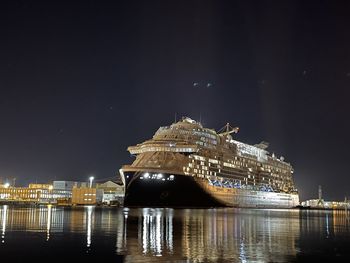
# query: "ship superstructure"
187,165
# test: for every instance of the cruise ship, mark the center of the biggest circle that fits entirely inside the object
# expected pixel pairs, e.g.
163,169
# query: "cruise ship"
188,165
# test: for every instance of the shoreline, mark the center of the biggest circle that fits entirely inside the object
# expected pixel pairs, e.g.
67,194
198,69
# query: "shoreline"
37,204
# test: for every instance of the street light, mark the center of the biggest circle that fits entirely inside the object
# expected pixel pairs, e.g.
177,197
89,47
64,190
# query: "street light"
91,179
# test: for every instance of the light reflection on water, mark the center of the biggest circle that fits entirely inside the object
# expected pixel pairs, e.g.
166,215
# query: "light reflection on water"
185,235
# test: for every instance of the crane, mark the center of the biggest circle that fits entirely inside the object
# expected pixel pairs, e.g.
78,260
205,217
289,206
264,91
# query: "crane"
228,129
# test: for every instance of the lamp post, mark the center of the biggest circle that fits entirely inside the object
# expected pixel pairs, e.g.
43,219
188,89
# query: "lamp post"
91,179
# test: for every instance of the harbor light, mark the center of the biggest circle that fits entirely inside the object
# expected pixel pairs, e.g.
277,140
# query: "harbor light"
91,179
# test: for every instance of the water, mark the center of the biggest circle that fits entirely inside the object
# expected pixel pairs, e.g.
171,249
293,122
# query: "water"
56,234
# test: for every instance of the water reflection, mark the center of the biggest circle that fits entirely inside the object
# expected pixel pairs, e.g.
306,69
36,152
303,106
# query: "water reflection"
194,235
244,235
212,235
88,225
48,224
156,231
3,223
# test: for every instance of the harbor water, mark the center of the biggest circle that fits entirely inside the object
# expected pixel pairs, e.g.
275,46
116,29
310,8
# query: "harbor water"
103,234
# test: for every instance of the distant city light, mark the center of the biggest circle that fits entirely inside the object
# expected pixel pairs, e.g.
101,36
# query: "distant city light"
6,185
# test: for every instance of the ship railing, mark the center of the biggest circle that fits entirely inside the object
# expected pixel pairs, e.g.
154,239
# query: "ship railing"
229,184
234,184
266,188
224,184
215,182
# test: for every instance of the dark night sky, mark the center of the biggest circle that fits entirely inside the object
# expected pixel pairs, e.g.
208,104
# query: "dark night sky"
79,82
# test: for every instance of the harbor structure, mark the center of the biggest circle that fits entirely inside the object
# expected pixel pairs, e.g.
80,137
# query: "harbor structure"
64,193
314,203
53,193
320,203
19,194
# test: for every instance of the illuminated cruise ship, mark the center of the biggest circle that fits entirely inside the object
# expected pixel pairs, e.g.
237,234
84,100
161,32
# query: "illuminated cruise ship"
187,165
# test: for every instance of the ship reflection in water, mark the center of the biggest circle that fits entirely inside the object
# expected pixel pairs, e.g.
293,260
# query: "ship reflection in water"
213,234
180,235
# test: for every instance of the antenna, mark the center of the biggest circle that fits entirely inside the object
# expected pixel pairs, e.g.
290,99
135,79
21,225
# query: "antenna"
175,116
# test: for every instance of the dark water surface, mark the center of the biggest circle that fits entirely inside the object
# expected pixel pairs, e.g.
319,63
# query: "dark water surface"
89,234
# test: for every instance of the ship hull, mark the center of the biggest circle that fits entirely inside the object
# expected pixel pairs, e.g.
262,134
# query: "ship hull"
173,190
183,191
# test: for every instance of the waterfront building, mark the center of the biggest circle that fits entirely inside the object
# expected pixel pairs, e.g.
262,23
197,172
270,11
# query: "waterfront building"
68,185
36,193
63,193
22,194
112,192
40,186
86,196
52,195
